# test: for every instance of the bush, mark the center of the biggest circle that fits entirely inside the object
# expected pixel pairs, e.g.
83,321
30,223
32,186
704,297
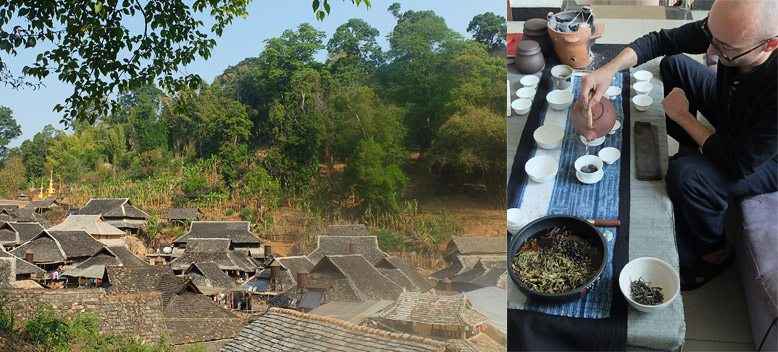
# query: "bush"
229,212
46,329
389,241
249,215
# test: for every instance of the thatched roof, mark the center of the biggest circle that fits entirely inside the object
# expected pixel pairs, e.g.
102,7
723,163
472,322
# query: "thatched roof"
367,246
183,214
238,232
283,329
91,224
434,310
403,275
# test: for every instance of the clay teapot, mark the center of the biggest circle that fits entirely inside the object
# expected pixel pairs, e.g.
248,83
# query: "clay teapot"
603,118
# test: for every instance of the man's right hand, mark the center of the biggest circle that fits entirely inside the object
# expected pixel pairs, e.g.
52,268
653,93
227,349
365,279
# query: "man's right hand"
595,84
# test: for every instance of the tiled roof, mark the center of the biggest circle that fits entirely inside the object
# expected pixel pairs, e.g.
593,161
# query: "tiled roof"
91,224
353,279
57,246
400,273
22,266
208,275
338,245
45,249
24,215
289,268
41,203
112,208
476,245
9,206
239,232
26,230
183,214
8,235
125,256
352,312
484,343
287,330
105,257
490,301
194,330
464,263
435,310
213,251
347,230
77,243
125,280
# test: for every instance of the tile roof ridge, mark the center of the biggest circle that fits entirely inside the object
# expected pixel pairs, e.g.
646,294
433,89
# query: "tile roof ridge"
354,327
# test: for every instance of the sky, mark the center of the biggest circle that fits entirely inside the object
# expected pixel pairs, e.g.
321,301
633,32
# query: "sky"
32,109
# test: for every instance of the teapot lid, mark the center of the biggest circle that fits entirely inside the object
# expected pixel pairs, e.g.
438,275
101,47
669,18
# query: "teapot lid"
535,24
527,47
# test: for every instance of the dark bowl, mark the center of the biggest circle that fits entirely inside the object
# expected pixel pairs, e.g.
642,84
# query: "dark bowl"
583,229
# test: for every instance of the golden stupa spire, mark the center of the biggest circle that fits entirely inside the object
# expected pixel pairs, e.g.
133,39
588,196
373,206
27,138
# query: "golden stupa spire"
50,192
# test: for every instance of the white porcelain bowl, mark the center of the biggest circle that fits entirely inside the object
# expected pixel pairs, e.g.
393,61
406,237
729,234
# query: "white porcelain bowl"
516,219
549,136
560,99
642,88
616,126
541,168
525,93
642,102
643,76
530,81
609,155
655,271
521,106
612,92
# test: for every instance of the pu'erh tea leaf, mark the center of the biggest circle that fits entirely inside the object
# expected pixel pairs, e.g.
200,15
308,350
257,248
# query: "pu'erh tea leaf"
645,294
556,261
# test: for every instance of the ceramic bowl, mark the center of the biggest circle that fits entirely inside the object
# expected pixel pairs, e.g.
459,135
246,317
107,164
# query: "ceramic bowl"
560,99
537,228
616,126
521,106
655,271
541,168
588,177
526,93
643,76
549,136
594,142
612,92
609,155
642,88
516,219
530,81
642,102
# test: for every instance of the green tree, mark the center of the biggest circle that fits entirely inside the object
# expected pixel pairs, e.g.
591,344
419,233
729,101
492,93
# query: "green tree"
35,151
140,113
376,182
489,29
261,187
474,80
353,49
73,156
11,177
9,129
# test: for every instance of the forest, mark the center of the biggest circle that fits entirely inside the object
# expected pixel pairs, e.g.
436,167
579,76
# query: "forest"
342,139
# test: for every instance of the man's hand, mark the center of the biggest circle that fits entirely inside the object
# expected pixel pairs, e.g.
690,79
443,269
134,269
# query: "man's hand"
676,105
595,83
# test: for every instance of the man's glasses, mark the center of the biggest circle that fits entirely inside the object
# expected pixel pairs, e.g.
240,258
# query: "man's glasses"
709,35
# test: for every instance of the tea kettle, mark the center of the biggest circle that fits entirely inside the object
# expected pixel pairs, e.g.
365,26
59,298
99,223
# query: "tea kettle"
603,118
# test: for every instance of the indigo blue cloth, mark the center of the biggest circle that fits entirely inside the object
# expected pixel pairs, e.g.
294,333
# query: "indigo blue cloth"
595,201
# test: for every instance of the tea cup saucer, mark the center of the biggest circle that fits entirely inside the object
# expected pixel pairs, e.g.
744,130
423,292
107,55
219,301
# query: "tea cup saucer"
597,177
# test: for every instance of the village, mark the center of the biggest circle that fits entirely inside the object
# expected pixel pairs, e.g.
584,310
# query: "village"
222,287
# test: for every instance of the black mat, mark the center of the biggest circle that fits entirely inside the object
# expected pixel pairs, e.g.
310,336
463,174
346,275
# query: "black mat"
533,331
647,165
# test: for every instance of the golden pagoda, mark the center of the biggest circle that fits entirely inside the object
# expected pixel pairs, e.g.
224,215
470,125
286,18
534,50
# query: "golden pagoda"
50,192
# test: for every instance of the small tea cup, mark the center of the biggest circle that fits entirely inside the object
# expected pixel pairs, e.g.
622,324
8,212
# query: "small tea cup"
530,81
642,102
642,88
521,106
563,76
516,219
588,160
643,76
612,92
526,93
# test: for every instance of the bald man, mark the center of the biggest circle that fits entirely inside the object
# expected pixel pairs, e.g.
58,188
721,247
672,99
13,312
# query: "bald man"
740,157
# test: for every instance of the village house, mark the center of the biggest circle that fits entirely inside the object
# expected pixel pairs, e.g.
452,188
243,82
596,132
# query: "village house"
209,279
401,274
352,312
23,270
426,314
179,215
474,246
24,215
91,270
288,267
13,234
347,230
119,212
189,316
236,263
367,246
94,225
469,272
283,329
43,206
490,301
52,249
237,232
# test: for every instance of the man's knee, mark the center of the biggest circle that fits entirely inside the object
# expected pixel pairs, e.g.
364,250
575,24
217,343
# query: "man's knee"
684,175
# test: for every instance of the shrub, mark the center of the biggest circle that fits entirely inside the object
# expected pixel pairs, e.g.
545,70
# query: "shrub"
389,241
229,212
249,215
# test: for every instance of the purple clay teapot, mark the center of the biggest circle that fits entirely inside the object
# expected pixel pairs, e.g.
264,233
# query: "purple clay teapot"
603,118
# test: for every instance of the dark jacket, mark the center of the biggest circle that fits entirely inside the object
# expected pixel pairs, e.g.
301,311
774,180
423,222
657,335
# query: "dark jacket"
747,134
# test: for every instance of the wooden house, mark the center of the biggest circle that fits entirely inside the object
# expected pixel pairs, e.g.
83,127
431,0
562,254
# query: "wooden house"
403,275
50,249
283,329
118,212
469,272
89,271
24,215
94,225
23,270
439,316
208,278
236,263
179,215
237,232
367,246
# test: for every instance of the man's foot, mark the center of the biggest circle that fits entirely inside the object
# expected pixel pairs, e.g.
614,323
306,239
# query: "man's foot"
707,267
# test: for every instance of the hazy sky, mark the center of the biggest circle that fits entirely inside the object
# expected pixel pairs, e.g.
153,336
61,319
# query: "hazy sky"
32,109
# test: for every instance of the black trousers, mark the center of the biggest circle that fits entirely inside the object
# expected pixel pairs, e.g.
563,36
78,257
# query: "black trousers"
697,188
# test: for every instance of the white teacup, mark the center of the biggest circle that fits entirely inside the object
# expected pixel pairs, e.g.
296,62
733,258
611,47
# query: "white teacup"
530,81
563,76
592,160
516,219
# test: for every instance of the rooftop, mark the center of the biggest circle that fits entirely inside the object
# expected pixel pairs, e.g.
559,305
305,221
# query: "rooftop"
238,232
435,310
112,208
338,245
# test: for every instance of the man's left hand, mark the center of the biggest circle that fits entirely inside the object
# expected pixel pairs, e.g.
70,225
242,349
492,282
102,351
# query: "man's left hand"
676,105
